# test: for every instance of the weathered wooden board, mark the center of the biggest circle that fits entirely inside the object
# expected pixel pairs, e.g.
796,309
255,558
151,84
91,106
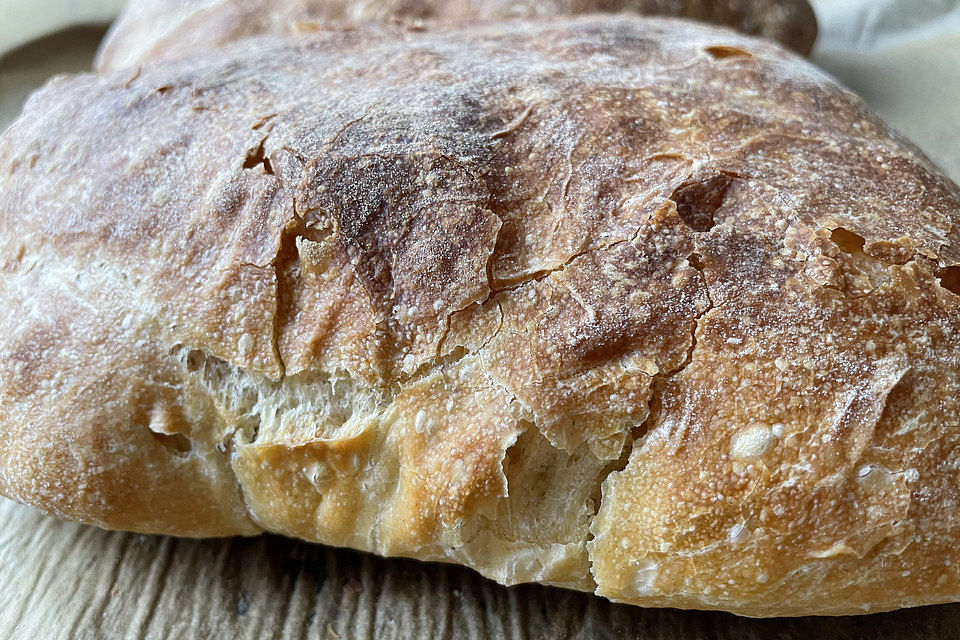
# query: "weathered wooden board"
63,580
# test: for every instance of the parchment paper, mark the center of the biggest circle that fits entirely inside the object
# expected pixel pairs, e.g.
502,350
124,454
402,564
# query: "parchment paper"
62,580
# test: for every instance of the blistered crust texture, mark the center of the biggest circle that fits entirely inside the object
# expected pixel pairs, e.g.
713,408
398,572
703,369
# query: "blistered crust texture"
152,29
619,304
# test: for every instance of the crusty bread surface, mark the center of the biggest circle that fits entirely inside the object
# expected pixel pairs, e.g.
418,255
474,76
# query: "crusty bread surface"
634,306
152,29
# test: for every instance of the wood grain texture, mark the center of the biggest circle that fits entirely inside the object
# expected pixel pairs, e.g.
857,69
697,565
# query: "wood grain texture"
63,580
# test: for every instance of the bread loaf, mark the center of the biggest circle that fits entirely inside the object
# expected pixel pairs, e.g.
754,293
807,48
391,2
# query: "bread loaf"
150,29
633,306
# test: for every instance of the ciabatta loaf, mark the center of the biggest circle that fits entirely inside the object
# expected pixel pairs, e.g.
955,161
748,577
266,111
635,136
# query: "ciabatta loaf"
627,305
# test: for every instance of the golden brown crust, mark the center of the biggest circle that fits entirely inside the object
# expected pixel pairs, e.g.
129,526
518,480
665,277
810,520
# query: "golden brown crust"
96,425
634,306
152,29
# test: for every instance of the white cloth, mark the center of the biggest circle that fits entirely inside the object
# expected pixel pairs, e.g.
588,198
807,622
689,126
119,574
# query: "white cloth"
903,57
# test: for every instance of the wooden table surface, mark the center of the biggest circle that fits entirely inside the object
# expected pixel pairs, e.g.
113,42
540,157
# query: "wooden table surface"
61,580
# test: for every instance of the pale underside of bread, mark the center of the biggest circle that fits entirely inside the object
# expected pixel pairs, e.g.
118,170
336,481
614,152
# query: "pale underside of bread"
153,29
627,305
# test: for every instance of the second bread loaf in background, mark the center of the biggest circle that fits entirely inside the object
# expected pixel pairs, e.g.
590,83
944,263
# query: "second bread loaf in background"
151,29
